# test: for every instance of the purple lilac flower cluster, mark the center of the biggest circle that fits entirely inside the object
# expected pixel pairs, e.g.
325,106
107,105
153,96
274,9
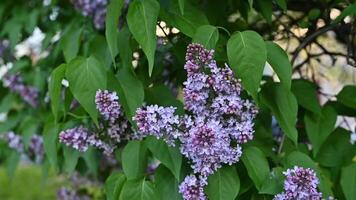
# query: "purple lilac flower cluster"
35,147
217,123
78,188
96,9
80,138
109,107
192,188
14,141
300,184
28,93
64,193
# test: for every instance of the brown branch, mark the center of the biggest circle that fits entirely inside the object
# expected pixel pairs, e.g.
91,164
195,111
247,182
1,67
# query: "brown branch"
309,39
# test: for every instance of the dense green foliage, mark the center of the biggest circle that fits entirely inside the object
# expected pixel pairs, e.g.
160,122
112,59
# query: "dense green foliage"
140,54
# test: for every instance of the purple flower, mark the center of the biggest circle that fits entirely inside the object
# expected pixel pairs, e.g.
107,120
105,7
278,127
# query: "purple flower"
196,93
208,146
300,184
108,105
76,138
157,121
107,148
118,129
68,194
30,95
198,55
95,9
81,138
14,141
15,84
192,189
217,122
36,147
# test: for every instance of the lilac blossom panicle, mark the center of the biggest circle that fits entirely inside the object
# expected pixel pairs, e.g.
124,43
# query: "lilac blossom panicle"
64,193
76,138
300,184
80,138
14,141
157,121
217,122
28,93
96,9
192,189
36,147
109,107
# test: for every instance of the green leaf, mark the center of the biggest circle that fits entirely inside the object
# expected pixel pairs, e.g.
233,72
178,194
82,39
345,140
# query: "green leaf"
300,159
347,96
247,56
50,138
54,88
282,4
284,107
111,26
348,181
99,49
306,95
70,42
125,51
181,6
91,159
28,127
166,185
207,36
7,102
85,77
162,95
337,150
187,23
134,159
12,162
113,185
314,14
274,183
224,184
265,7
256,165
348,11
71,157
325,183
130,90
278,59
141,19
169,156
138,190
319,127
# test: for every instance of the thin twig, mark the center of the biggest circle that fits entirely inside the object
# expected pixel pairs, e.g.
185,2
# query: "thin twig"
309,39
